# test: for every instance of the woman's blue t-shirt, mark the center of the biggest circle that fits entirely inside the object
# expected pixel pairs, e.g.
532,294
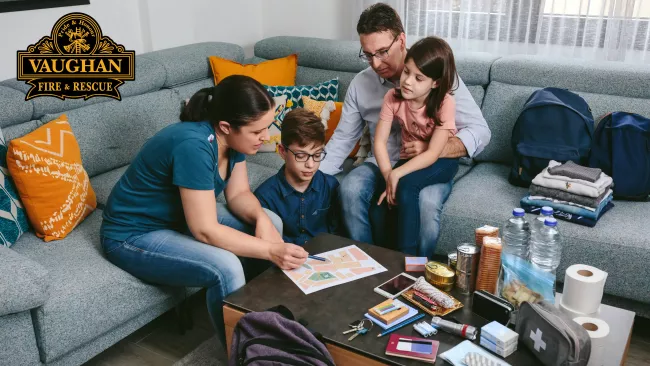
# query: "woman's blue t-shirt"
147,197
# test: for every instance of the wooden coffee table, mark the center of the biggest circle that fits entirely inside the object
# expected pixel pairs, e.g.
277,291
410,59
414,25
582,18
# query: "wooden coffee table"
330,310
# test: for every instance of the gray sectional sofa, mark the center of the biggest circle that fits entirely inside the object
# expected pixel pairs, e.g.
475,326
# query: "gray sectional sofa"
62,302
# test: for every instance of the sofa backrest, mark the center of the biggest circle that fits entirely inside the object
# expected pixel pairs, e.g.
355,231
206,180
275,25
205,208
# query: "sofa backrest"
324,59
111,132
606,86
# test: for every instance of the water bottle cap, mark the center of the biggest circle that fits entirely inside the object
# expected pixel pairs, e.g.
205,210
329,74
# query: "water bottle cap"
547,211
550,222
519,212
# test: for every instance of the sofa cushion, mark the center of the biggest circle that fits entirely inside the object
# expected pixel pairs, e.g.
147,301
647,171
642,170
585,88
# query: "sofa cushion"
187,90
18,340
52,184
280,71
477,92
186,64
14,107
89,296
314,52
613,78
19,130
616,244
503,103
24,282
111,134
103,184
474,67
13,217
149,76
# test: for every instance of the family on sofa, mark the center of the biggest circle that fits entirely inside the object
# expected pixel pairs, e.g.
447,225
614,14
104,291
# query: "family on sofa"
163,211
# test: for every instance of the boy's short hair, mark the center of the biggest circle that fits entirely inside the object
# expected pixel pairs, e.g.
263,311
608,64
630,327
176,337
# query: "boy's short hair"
380,17
302,127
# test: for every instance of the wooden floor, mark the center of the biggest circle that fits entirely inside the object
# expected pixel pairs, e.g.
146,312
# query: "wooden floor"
159,342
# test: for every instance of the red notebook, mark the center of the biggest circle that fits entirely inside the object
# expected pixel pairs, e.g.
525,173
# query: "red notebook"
412,347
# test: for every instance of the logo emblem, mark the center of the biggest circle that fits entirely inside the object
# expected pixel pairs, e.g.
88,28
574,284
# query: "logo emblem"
538,343
75,61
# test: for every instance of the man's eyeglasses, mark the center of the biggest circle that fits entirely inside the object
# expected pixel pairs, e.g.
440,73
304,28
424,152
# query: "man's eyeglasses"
380,55
302,156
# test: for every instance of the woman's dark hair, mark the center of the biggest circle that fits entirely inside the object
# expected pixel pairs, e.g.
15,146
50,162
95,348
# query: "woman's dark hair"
379,18
435,59
237,100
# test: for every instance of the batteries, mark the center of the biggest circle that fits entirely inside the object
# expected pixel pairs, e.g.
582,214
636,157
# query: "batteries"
425,329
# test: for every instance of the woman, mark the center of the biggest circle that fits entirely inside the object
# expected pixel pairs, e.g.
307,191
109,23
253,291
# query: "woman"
162,222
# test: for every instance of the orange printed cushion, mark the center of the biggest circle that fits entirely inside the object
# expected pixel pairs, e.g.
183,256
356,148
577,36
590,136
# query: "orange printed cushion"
330,118
281,71
51,181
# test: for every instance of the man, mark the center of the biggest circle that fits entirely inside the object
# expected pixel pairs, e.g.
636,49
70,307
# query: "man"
383,46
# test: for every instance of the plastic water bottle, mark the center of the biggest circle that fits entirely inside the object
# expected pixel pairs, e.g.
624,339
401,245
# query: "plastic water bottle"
538,223
545,247
517,234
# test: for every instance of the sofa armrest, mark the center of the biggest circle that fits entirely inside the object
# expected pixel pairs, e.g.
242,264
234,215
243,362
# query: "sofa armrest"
23,282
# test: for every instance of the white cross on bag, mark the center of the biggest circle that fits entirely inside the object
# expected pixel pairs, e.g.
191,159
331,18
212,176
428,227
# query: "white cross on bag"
537,339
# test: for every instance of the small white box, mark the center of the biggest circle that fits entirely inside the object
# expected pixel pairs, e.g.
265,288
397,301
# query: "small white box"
500,335
503,352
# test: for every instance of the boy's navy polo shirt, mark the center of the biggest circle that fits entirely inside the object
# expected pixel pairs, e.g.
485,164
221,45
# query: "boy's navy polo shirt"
304,215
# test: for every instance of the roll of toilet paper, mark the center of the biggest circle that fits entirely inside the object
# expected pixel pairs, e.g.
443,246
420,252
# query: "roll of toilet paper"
583,288
598,331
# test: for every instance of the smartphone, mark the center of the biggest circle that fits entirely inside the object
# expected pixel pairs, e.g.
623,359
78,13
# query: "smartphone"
395,286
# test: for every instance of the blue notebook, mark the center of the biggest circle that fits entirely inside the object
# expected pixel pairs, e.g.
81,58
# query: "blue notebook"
456,355
412,312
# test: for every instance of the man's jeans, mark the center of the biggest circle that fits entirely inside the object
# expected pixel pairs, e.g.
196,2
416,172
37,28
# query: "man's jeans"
167,257
370,223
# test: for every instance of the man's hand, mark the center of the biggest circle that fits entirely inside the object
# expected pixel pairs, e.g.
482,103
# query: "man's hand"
287,256
415,148
265,230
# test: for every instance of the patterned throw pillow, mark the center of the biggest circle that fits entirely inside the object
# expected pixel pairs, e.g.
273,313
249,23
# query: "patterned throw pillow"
51,180
13,221
276,127
330,117
327,90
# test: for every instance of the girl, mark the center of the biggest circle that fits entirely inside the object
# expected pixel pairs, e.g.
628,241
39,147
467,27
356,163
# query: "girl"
162,222
425,108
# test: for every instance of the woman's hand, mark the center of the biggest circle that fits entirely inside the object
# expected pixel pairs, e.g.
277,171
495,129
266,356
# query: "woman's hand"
265,230
287,256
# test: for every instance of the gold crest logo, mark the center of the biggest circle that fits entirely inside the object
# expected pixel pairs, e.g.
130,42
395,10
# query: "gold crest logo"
75,61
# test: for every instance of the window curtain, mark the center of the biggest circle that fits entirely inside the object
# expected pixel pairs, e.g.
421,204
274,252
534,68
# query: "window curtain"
614,30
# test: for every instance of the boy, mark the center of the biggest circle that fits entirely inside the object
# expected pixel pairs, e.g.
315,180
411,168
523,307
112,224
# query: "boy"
305,198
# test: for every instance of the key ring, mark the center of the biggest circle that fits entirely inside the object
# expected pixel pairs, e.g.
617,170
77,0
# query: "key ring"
363,323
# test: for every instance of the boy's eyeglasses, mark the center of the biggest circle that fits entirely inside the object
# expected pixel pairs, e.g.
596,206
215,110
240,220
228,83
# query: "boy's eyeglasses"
302,156
381,55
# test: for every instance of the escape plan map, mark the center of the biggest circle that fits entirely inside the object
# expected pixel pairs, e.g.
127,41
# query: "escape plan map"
343,265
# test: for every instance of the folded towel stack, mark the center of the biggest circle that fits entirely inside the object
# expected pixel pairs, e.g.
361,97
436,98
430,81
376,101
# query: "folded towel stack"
576,193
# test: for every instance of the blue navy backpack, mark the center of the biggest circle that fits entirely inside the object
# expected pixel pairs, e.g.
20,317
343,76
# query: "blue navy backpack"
555,124
621,150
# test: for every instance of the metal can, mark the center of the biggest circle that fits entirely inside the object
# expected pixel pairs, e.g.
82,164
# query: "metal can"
440,276
468,255
466,282
452,258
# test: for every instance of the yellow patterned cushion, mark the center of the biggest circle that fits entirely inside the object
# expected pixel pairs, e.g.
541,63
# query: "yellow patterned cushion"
275,129
51,181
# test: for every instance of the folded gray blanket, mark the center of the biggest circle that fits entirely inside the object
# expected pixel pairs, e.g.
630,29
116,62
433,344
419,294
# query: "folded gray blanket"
575,171
592,202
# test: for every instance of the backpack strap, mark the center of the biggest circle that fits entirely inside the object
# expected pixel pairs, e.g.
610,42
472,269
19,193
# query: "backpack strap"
282,310
281,359
285,346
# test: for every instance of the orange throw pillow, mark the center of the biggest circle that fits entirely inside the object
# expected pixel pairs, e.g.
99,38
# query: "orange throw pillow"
281,71
333,120
51,181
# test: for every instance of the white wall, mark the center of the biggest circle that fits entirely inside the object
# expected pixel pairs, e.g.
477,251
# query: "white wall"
149,25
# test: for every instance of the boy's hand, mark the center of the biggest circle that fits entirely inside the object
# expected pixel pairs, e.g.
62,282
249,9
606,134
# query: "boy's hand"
265,230
287,256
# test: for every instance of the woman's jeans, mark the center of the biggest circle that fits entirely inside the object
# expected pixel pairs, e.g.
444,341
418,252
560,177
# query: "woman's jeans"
167,257
408,199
